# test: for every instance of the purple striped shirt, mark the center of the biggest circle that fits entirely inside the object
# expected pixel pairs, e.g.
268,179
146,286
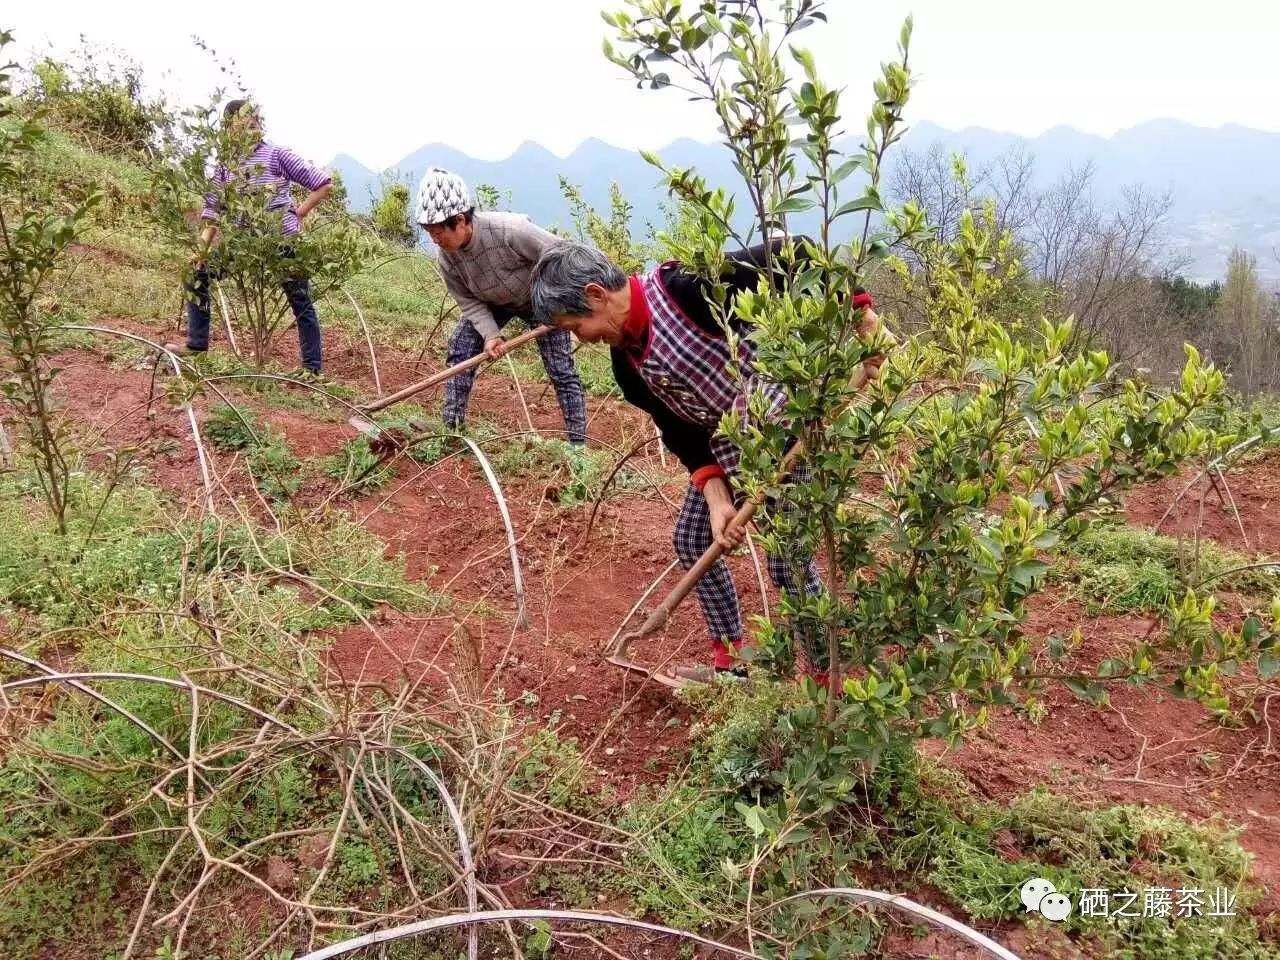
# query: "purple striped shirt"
275,168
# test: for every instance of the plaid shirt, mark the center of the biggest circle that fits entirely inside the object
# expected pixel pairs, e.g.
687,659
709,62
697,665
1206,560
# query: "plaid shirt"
688,369
495,268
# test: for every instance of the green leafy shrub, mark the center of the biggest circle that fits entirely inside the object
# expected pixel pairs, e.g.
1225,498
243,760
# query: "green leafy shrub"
555,768
685,838
357,467
920,627
252,259
612,236
742,732
34,239
276,471
99,98
390,214
437,441
229,428
595,367
919,819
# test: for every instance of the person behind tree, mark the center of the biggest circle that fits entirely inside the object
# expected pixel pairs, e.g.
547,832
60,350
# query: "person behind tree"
486,260
272,169
671,359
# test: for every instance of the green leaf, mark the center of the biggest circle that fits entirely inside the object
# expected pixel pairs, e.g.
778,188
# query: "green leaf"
796,835
1250,630
1086,691
1024,573
1112,666
806,280
753,817
1268,665
842,172
794,205
1046,540
868,201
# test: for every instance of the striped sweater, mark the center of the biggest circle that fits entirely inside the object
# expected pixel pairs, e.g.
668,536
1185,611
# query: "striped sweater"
276,168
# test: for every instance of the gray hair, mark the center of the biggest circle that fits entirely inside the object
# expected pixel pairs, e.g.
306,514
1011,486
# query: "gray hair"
562,273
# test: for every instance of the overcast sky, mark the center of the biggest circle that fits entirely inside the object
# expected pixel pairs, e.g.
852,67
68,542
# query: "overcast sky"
379,79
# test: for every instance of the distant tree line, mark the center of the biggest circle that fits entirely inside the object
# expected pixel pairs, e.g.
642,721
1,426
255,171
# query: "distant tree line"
1105,264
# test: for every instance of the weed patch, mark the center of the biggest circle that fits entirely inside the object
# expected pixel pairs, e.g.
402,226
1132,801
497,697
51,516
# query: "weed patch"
357,467
574,475
1123,569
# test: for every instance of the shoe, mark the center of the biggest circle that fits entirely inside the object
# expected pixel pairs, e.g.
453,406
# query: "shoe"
181,349
704,674
307,375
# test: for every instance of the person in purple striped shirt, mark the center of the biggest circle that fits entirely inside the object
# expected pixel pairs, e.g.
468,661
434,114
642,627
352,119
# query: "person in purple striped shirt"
274,169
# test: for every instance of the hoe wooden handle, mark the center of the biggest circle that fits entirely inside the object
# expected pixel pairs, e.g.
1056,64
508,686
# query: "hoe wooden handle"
659,617
415,388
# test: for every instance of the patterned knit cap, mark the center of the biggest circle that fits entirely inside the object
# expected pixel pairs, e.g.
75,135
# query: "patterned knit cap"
441,195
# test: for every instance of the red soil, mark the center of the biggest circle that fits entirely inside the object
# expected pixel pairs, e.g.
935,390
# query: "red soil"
1145,748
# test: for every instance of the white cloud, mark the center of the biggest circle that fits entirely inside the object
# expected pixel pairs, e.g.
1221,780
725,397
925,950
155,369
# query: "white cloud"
379,80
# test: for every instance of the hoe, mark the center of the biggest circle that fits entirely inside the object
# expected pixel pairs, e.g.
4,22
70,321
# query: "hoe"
618,656
416,388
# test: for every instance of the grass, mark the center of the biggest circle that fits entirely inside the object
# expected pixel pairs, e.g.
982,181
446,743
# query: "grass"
921,822
124,268
276,472
435,441
356,467
1123,569
147,290
131,589
403,301
574,475
67,172
230,428
131,554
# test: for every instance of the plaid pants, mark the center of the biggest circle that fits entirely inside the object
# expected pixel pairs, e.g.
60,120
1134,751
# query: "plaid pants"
716,593
557,357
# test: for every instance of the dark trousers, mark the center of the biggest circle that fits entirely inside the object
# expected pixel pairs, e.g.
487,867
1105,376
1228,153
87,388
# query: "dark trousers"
297,291
557,357
791,573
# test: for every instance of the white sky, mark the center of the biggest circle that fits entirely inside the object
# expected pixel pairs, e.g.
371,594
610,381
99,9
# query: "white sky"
379,79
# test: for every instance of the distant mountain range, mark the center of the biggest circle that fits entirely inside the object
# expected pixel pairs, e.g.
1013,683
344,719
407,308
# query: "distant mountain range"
1225,182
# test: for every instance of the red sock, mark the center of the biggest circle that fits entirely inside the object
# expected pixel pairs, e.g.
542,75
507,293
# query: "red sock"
821,678
724,656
